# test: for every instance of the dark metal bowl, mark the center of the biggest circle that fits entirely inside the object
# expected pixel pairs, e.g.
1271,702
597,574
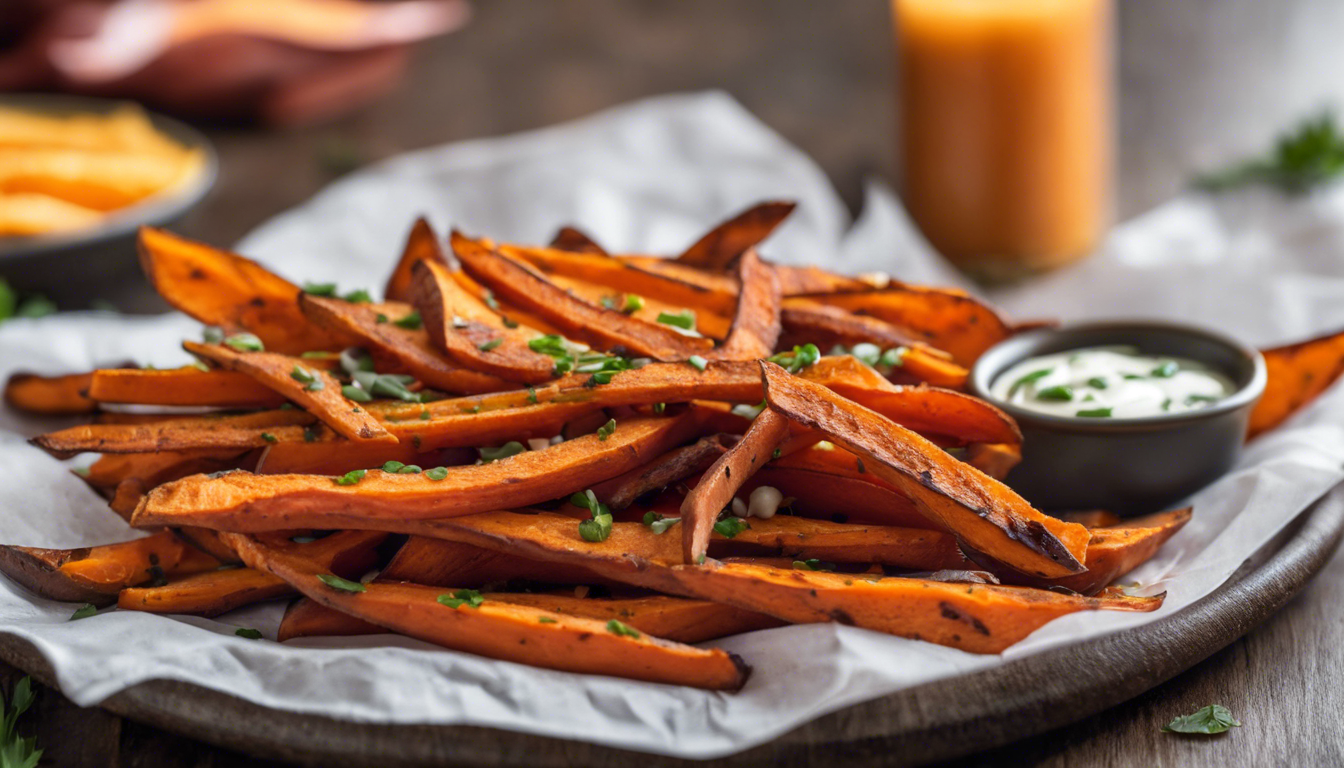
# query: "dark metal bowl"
1129,466
74,266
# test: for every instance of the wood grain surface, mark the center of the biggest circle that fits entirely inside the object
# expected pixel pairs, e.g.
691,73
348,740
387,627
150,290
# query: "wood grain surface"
819,74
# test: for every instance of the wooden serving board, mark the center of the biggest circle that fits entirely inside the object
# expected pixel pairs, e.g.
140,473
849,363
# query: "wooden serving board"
935,721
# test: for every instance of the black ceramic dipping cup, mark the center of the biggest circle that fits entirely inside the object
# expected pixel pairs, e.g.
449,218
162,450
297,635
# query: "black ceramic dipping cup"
1127,466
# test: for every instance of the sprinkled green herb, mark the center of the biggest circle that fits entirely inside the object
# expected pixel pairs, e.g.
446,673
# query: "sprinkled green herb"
1165,370
730,527
489,299
1097,382
684,319
1030,378
392,466
411,322
351,392
606,430
336,582
511,448
320,289
1061,392
1309,155
748,411
801,357
437,473
491,344
873,356
1095,413
546,620
659,524
302,375
424,416
617,628
778,452
15,750
532,395
1166,404
508,322
410,469
380,318
359,296
1210,720
697,362
812,564
598,528
250,634
462,597
1192,399
387,385
633,303
244,342
212,334
268,437
659,408
84,611
350,478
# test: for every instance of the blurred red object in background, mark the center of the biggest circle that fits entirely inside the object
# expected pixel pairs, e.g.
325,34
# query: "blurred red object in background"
281,62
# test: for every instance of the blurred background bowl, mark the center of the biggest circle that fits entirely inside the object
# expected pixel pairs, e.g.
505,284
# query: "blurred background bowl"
74,268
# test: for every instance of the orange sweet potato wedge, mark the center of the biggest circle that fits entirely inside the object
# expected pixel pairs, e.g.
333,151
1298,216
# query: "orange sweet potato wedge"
183,433
469,333
985,514
1118,549
181,386
241,501
503,630
822,486
607,329
576,240
755,327
96,574
1297,374
227,290
717,249
312,389
947,319
977,618
411,348
139,472
672,467
715,491
422,244
50,395
348,554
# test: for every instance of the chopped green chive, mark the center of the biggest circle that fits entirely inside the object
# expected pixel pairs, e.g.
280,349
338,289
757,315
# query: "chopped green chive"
489,299
212,334
437,473
1097,382
617,628
411,322
336,582
491,344
1095,413
84,611
511,448
659,524
1165,370
320,289
302,375
598,528
350,478
424,416
244,342
633,303
532,395
462,597
778,452
1061,392
392,466
606,430
801,357
380,318
360,296
546,620
351,392
697,362
684,319
729,527
410,469
1030,378
250,634
659,408
268,437
1192,399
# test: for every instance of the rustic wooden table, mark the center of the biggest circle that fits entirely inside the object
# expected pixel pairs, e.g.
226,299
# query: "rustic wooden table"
820,74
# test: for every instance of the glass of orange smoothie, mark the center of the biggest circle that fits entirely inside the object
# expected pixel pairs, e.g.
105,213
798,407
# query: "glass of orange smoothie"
1006,129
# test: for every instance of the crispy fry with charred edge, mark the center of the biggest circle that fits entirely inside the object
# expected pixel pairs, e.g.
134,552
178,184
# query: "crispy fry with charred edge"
717,249
603,328
672,467
720,483
947,319
575,240
227,290
501,630
985,514
627,277
480,342
348,554
805,322
973,617
316,391
49,395
1116,550
233,432
755,327
1296,375
181,386
96,574
241,501
410,348
422,244
141,472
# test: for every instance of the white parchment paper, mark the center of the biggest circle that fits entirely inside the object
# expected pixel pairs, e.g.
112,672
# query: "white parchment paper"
650,177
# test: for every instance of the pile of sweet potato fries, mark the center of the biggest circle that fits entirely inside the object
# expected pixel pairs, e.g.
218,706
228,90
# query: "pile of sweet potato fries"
582,461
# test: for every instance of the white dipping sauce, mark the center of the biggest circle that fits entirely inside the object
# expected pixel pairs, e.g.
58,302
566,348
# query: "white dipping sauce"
1110,382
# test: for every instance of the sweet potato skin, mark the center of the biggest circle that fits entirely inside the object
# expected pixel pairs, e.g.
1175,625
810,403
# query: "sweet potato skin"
502,630
1296,375
1117,549
422,244
717,249
620,492
50,395
181,386
756,326
240,501
983,512
577,241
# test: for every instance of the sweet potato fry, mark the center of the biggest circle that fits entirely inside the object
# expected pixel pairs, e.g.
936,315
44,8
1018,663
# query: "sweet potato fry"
975,618
1118,549
469,333
422,244
241,501
602,328
950,320
181,386
349,554
501,630
316,391
577,241
411,349
755,327
718,297
724,243
50,395
674,466
227,290
721,481
210,432
823,487
130,476
984,513
1297,374
96,574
